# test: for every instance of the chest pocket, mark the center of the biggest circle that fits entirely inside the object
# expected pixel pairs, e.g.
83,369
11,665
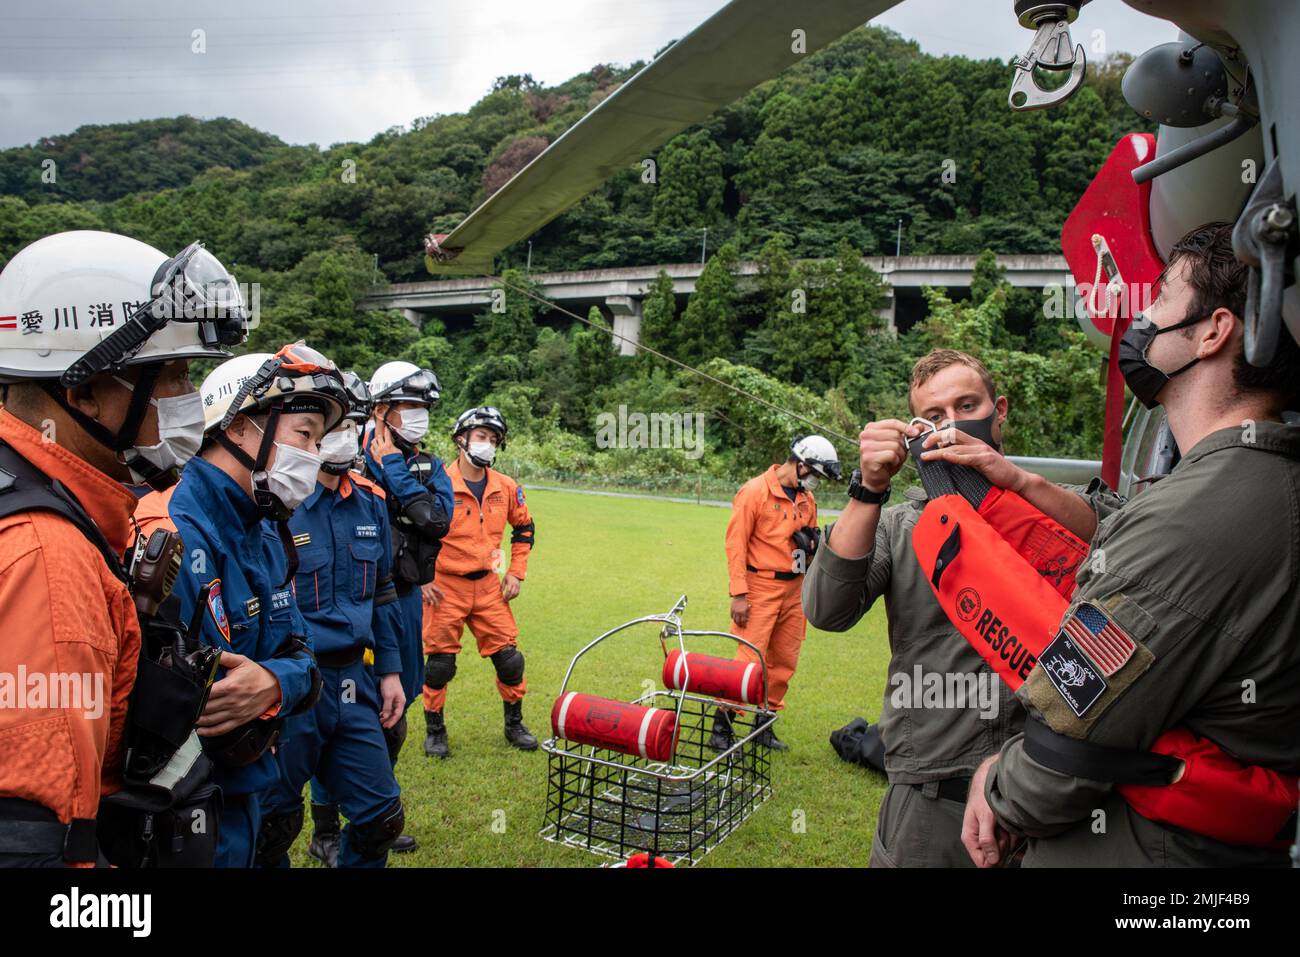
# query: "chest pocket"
494,515
311,583
365,567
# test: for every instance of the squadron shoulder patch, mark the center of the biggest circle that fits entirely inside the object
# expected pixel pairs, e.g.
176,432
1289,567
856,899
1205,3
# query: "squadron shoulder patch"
1073,675
217,609
1089,648
519,495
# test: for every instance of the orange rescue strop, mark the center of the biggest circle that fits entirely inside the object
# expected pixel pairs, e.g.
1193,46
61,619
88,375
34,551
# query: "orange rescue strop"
1003,572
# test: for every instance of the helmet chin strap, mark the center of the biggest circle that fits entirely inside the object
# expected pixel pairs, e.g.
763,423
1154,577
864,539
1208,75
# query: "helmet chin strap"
122,443
267,503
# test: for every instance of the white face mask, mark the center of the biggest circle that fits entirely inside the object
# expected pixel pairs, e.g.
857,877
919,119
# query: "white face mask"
292,476
809,482
340,447
415,423
180,432
481,454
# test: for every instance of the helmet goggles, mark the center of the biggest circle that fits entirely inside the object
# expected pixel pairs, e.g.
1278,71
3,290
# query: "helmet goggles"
420,386
192,286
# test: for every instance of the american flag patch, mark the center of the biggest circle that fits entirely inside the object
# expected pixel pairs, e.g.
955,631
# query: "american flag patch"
1101,639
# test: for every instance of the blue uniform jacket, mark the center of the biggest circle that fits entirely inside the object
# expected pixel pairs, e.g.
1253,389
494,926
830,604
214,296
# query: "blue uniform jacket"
394,474
248,611
344,561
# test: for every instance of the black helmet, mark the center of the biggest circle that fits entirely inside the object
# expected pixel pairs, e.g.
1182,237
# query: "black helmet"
485,416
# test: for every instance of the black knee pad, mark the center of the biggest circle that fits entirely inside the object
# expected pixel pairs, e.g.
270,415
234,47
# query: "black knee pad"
509,663
277,835
438,670
395,737
325,818
374,838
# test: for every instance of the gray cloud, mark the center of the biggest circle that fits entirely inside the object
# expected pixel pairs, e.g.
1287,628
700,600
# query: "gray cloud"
328,71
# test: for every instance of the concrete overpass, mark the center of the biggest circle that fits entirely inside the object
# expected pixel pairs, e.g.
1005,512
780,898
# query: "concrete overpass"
618,292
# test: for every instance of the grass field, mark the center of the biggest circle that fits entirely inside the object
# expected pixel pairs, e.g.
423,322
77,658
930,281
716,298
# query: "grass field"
600,561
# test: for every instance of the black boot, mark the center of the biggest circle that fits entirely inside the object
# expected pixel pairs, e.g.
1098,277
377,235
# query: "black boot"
435,742
767,737
327,837
404,844
517,734
722,736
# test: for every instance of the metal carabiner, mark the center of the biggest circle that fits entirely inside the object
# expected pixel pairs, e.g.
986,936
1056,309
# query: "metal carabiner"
925,424
1050,51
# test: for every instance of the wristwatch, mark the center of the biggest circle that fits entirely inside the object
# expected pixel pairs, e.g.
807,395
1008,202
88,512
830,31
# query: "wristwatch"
863,494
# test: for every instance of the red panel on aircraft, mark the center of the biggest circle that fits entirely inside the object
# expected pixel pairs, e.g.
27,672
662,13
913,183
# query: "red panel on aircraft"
1114,216
1117,209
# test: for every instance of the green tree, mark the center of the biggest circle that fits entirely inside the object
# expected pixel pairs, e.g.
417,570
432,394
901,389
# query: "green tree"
708,327
690,183
659,314
508,326
822,346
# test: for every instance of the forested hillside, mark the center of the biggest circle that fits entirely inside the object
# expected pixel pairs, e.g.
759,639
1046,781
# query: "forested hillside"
819,164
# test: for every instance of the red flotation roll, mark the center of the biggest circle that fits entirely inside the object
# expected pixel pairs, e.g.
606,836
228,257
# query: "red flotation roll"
616,725
726,678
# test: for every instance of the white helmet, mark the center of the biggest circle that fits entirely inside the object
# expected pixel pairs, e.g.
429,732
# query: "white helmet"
83,302
818,454
295,379
400,381
224,383
255,382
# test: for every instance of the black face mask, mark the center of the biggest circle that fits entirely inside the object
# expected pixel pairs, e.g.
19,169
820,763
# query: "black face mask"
981,429
1144,379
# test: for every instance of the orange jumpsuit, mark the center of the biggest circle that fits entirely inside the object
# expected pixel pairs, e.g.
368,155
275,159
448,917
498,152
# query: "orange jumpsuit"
151,514
758,550
472,547
63,613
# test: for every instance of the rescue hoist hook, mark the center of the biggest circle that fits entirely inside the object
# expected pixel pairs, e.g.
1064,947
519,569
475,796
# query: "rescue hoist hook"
1052,49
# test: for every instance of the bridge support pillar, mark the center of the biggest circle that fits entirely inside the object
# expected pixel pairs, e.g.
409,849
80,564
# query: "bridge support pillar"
414,317
626,311
889,311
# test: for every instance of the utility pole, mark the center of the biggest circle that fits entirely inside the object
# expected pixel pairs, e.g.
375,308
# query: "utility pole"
898,245
704,245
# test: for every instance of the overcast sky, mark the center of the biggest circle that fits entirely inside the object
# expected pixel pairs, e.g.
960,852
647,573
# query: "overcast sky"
328,71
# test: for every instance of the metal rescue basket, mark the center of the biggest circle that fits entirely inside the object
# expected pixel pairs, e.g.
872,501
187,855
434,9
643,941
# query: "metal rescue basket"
639,778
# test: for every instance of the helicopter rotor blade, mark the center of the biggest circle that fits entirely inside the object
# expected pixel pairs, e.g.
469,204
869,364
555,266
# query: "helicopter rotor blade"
739,47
